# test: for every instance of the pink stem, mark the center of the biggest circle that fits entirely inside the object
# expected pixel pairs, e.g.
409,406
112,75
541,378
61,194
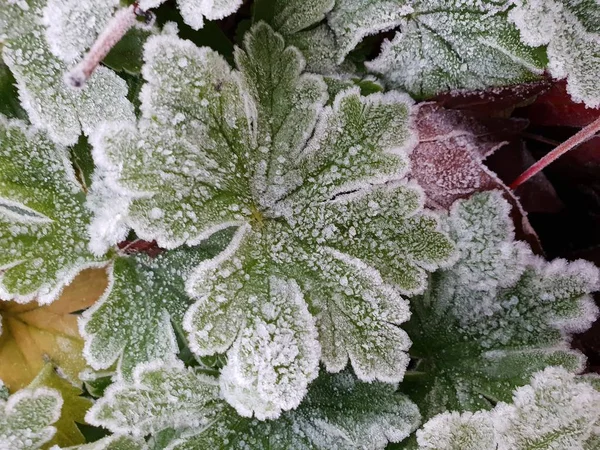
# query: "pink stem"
583,135
122,21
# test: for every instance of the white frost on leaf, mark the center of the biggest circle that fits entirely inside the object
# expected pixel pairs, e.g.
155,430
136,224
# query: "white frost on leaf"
195,11
43,216
556,411
72,26
114,442
26,418
339,413
457,44
50,104
571,31
320,198
497,316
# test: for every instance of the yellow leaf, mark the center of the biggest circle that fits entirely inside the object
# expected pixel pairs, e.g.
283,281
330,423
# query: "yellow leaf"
33,335
73,409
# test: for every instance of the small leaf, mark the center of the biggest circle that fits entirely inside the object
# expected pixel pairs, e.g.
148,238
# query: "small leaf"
33,334
73,409
43,216
131,323
338,413
52,106
497,316
26,418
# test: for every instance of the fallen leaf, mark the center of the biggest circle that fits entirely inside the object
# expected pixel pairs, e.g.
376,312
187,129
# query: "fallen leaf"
33,335
73,409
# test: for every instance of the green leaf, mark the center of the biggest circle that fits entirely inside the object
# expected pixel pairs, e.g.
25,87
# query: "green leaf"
26,418
43,217
126,55
195,11
73,410
571,30
9,97
131,323
443,46
53,106
497,316
555,411
114,442
338,413
330,231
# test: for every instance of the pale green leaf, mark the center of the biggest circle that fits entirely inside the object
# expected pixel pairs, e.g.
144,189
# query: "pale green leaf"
477,335
447,45
43,216
338,413
557,410
26,418
329,227
131,323
571,30
52,105
73,409
115,442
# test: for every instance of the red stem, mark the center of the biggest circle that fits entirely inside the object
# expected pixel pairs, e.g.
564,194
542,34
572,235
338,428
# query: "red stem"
583,135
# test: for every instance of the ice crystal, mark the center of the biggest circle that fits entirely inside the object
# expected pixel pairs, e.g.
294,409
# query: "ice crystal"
338,413
571,30
555,411
43,217
51,105
131,323
26,418
115,442
195,11
499,315
445,45
329,230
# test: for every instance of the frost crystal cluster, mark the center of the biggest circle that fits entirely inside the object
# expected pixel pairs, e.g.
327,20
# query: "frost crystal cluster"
232,242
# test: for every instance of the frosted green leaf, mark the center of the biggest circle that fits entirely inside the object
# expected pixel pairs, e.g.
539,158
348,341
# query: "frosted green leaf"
476,336
51,105
446,45
313,189
43,216
557,410
114,442
338,413
454,431
195,11
292,16
571,30
26,418
3,391
74,25
132,322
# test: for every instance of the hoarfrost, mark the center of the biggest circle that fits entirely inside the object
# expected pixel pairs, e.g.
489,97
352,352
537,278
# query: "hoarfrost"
114,442
26,418
51,105
43,216
557,410
339,413
318,193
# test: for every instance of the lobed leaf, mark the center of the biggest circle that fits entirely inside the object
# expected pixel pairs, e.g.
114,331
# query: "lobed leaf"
43,216
329,232
338,413
497,316
26,418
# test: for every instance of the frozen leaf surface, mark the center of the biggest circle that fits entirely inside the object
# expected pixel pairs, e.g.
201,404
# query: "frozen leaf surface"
26,418
131,323
195,11
571,30
329,231
339,413
497,316
114,442
73,409
444,45
557,410
43,216
51,105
